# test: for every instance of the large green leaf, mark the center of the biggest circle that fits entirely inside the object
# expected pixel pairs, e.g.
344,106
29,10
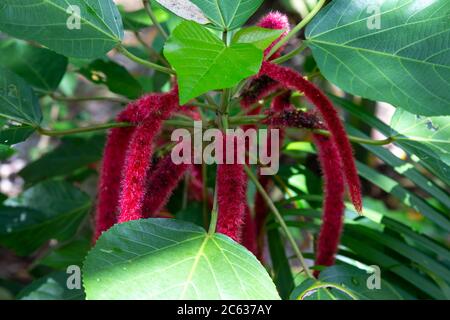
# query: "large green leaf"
203,62
17,100
50,210
40,67
170,259
46,21
73,153
228,14
427,137
406,62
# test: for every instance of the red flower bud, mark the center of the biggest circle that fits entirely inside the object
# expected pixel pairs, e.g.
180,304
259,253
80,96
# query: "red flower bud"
275,20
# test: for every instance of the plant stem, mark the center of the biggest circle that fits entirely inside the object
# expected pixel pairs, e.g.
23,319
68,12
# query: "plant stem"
149,10
80,99
291,54
357,139
152,52
297,28
143,62
105,126
214,214
280,220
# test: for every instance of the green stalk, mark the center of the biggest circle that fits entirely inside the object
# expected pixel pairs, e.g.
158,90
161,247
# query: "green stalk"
280,220
143,62
149,10
105,126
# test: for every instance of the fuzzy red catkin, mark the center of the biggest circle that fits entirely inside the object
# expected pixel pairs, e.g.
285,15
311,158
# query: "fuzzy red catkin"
333,204
161,183
157,108
294,81
110,178
231,198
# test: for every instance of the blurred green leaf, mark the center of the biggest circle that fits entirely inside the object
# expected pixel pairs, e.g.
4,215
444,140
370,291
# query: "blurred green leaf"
434,164
282,274
426,137
51,287
40,67
50,210
114,76
72,253
408,198
17,100
73,153
139,19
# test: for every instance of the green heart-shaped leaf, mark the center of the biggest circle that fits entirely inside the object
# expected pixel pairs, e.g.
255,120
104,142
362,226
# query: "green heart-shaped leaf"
203,62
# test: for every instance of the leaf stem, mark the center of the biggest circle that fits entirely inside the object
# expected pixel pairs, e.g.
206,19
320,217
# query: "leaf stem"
297,28
80,99
149,10
214,214
152,52
105,126
143,62
280,220
291,54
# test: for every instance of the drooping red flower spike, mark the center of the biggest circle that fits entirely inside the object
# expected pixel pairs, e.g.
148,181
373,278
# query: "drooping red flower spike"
249,232
275,20
231,197
294,81
333,204
156,109
110,178
161,183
